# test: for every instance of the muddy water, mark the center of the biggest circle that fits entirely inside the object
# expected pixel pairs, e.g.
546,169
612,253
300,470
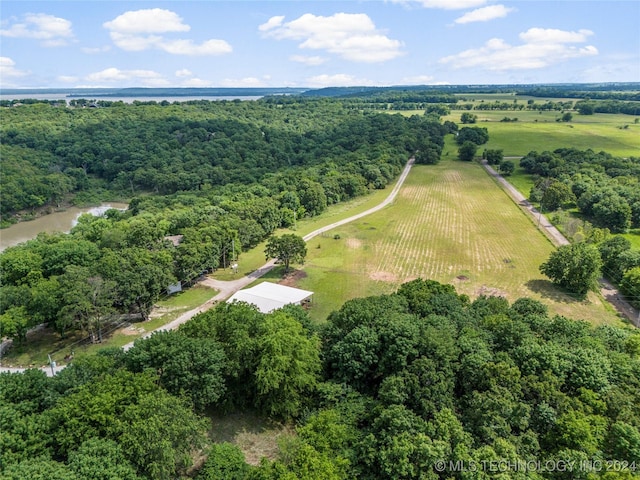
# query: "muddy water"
54,222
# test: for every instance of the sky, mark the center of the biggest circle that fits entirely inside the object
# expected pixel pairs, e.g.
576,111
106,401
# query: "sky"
314,44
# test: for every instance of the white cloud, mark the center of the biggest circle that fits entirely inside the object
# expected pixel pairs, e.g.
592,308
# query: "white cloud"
184,73
484,14
49,30
444,4
337,80
140,77
418,80
154,20
311,61
551,35
187,47
352,36
273,22
196,82
8,69
95,50
542,47
614,68
67,78
141,30
243,82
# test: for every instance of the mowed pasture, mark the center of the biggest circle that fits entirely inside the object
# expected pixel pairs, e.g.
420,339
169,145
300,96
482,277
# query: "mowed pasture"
615,134
451,223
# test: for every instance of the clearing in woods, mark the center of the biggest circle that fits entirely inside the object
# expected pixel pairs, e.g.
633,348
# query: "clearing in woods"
450,223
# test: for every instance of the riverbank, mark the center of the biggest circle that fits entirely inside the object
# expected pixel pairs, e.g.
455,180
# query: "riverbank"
57,220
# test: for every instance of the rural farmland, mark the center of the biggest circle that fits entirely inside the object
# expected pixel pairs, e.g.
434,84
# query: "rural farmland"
450,223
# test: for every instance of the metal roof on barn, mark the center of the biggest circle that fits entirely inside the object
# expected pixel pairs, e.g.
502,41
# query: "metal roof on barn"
269,296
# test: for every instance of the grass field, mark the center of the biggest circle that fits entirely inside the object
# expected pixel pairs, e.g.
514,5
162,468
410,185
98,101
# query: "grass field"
616,134
450,223
254,258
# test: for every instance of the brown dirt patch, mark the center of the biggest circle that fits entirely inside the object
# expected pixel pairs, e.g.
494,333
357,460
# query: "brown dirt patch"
160,311
353,243
462,278
132,330
384,276
490,292
292,278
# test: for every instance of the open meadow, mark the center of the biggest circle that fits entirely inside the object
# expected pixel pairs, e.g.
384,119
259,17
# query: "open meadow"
450,223
617,134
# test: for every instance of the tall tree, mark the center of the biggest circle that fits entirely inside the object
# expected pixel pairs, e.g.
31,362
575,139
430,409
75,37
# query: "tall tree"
288,367
87,299
286,249
575,267
467,151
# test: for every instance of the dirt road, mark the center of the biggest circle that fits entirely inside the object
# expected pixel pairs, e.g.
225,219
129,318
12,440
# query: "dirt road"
228,288
608,291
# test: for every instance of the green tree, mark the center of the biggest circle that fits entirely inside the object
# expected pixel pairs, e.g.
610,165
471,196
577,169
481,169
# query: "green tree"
494,157
467,117
312,196
575,267
14,323
286,249
613,212
140,277
477,135
156,431
191,367
467,151
101,459
507,167
556,195
610,251
288,366
224,461
41,468
159,434
630,285
87,300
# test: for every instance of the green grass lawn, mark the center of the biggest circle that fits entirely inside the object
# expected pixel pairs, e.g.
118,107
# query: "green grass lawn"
616,134
541,131
450,223
520,179
253,259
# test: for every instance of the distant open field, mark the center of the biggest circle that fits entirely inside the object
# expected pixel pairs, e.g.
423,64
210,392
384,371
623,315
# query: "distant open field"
617,134
450,223
598,132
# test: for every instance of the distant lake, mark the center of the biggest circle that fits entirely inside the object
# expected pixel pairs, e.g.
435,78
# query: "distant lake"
53,222
170,99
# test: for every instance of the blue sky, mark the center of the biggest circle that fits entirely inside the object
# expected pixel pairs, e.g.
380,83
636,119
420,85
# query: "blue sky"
57,44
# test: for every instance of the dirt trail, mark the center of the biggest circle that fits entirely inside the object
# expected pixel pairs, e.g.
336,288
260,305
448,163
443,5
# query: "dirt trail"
608,291
228,288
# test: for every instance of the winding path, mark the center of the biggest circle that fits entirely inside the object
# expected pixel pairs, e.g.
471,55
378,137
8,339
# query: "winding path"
607,289
228,288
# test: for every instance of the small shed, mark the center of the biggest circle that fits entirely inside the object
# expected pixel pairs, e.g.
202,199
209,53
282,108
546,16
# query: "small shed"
269,296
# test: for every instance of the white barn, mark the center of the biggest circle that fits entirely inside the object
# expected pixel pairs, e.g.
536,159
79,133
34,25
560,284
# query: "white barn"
269,296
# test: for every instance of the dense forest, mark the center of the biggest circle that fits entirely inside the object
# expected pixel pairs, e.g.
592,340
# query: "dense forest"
420,384
216,175
49,152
